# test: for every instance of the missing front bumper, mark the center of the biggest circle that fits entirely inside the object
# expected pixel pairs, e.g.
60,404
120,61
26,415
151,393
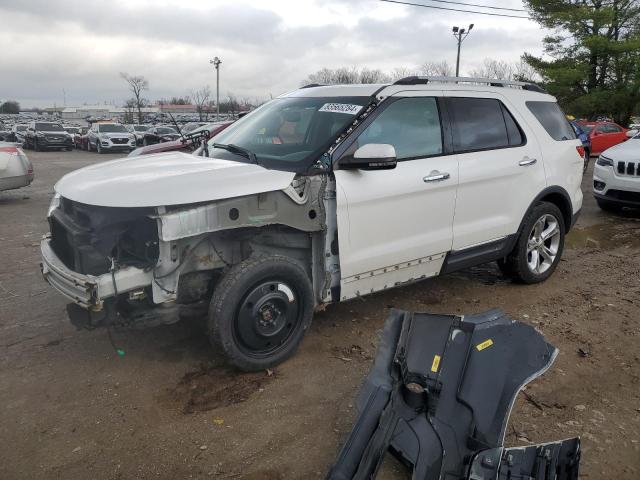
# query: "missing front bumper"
88,291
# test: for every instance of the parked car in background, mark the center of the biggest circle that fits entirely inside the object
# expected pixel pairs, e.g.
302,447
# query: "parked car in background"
138,132
603,135
73,131
159,135
191,126
46,135
179,145
17,133
586,142
16,171
108,136
616,175
81,140
322,195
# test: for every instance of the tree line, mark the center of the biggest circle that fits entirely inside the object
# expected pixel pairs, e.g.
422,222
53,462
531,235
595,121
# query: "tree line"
591,62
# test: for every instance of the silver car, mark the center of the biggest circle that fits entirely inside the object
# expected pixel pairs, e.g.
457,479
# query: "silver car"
16,170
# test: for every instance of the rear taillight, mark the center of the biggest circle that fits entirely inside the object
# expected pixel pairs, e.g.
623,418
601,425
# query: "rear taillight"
580,150
13,150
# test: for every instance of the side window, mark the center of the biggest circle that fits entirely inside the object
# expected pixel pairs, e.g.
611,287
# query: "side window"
411,125
552,119
610,128
482,123
513,131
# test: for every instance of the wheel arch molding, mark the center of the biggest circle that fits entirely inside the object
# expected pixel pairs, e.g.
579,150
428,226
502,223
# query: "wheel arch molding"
560,198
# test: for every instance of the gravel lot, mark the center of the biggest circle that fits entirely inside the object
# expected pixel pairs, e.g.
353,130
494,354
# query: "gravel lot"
73,409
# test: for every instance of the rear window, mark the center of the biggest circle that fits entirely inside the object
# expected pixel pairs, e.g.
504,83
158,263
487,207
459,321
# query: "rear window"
552,119
481,124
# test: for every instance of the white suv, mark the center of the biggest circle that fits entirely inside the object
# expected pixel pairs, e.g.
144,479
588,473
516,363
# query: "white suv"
616,175
324,194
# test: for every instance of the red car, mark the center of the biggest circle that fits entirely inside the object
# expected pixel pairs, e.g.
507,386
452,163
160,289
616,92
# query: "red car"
603,135
213,128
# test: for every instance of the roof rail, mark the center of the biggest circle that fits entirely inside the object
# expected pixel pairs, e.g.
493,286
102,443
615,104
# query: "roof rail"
420,80
311,85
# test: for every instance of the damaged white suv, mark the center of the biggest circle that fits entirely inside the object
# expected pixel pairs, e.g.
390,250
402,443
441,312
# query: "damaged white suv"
319,196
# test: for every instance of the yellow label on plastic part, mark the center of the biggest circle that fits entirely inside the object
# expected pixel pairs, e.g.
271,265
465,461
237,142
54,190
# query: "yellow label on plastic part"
435,364
485,344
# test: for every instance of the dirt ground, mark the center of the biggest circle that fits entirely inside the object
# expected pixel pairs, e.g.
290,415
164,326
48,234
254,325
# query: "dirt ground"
71,408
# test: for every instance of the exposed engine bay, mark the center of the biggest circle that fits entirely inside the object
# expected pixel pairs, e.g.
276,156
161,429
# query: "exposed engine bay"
148,266
439,398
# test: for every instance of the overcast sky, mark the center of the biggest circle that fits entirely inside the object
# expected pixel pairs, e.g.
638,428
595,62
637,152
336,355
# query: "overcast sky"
267,46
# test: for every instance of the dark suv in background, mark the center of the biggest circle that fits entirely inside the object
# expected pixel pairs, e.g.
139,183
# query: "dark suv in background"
46,135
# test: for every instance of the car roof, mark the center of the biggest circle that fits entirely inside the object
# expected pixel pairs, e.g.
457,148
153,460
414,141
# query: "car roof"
509,89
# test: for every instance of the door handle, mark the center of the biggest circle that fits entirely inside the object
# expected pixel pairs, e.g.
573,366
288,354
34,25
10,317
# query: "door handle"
436,176
527,161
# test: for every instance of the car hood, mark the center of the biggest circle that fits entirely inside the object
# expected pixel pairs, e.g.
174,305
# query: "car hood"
114,134
625,151
171,178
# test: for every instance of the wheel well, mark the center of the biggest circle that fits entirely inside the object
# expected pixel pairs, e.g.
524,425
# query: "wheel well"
560,201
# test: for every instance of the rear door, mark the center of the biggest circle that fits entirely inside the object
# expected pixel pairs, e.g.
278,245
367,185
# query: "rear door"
501,169
396,225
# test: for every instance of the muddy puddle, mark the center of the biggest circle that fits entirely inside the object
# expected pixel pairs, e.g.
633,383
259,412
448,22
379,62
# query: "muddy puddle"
210,388
616,233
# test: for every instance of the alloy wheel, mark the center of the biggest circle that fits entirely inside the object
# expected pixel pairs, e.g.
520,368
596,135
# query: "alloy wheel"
543,244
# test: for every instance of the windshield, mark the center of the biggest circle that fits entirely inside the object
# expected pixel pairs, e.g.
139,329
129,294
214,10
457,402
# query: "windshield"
165,130
72,130
140,128
49,127
111,128
21,128
289,133
587,128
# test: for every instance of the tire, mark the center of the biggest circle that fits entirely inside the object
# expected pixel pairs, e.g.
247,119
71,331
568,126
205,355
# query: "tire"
609,206
36,147
272,325
144,142
526,263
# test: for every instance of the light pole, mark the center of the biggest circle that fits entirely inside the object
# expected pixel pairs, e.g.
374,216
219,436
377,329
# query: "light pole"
460,34
216,63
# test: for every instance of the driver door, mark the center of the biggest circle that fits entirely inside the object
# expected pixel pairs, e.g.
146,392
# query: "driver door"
396,225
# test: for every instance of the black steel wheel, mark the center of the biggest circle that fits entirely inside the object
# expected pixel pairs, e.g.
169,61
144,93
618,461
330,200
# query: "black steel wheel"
260,310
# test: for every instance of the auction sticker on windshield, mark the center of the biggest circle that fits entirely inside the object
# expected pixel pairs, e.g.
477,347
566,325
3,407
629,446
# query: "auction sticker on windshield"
340,108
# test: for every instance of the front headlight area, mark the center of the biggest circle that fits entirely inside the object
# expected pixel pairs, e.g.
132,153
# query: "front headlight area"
55,203
604,161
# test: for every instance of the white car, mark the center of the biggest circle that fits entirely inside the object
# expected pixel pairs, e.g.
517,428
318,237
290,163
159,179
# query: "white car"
110,137
616,175
322,195
16,170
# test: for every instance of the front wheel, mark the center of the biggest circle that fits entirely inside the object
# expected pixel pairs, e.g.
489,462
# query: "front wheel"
539,247
260,311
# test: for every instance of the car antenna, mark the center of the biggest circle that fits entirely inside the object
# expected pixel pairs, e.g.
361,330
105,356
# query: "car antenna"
177,127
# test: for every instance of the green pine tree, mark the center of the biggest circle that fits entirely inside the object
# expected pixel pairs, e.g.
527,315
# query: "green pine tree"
594,65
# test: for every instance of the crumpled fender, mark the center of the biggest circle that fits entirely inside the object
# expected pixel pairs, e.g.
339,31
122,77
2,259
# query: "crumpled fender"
439,398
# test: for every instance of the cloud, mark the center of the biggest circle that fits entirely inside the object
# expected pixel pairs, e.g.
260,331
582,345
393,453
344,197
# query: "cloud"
266,47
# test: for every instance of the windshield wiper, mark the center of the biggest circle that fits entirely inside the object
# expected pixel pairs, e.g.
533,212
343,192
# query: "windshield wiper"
230,147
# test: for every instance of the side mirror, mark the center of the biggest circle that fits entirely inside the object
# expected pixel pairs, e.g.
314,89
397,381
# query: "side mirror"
372,156
631,133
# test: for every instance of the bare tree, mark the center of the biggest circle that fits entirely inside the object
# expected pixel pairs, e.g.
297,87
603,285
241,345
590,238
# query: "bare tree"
137,85
491,68
201,98
129,108
437,69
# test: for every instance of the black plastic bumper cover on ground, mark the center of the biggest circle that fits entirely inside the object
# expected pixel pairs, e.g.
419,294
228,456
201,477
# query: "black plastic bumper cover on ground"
439,397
